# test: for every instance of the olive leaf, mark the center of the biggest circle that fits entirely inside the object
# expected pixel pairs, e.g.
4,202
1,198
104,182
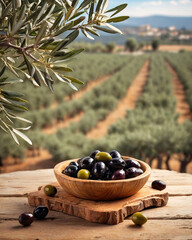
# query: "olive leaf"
35,38
41,32
85,3
117,19
117,9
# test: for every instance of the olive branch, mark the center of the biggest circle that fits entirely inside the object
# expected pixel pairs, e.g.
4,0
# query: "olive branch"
31,48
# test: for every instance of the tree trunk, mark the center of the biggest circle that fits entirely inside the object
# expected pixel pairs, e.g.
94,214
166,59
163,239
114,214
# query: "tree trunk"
38,151
33,153
159,163
167,162
151,160
184,162
183,166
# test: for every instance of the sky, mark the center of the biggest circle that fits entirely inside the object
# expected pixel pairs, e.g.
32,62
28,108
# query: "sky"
139,8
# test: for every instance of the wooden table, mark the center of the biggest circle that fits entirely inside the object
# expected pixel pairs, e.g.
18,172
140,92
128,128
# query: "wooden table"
173,221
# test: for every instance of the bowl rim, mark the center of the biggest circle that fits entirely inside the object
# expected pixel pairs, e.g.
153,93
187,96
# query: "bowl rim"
59,166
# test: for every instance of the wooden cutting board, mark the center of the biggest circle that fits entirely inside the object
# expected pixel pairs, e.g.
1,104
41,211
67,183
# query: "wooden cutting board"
108,212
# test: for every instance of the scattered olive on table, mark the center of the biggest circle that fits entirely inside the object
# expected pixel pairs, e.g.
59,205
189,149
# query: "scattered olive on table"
158,184
103,166
26,218
50,190
139,218
40,212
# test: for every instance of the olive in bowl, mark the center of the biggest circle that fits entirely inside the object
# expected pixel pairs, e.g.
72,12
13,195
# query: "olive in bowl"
102,184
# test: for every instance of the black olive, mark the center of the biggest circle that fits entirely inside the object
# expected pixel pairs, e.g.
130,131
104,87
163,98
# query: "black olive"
78,161
92,155
71,170
74,164
98,171
86,163
132,163
139,171
118,175
116,163
133,172
115,154
40,212
26,219
108,174
158,184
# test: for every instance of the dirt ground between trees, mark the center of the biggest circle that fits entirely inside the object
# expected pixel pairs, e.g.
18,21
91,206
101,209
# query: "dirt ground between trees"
66,121
182,106
128,102
62,124
44,159
82,91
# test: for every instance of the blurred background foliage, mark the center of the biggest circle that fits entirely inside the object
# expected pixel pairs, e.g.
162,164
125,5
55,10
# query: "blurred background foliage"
151,131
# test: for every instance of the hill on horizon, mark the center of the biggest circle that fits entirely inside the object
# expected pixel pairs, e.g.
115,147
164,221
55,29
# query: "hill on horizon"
160,21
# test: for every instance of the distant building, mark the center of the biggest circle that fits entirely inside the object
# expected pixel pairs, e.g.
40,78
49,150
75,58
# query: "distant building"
174,33
172,28
145,28
185,37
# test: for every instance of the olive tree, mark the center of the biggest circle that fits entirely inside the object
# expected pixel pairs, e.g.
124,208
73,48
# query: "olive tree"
155,44
131,44
35,37
110,46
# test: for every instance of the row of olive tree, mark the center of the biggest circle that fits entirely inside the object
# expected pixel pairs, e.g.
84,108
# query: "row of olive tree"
132,45
96,104
182,65
152,131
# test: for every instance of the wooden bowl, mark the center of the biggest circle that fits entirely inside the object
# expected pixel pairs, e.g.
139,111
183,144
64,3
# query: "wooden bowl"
101,190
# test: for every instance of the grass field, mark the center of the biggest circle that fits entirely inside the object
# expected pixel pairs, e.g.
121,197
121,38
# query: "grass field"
139,105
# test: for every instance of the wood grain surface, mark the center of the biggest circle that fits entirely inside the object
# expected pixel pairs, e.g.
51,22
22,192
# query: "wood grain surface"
172,221
108,212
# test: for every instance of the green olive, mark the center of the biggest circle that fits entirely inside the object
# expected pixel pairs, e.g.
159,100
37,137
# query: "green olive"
50,190
139,218
103,156
83,174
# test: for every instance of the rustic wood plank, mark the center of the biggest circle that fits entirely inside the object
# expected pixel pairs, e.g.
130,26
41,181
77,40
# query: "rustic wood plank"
179,207
173,221
23,182
79,229
171,178
109,212
14,206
